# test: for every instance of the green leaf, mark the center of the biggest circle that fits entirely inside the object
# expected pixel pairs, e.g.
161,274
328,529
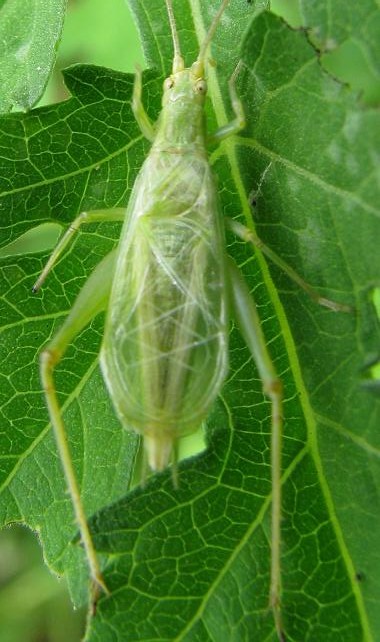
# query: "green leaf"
29,34
193,563
347,34
74,148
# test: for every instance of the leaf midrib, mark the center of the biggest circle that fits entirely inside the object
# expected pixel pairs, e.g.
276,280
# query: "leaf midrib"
230,146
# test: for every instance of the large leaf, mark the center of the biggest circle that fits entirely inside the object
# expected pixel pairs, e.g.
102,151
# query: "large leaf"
347,34
193,563
29,33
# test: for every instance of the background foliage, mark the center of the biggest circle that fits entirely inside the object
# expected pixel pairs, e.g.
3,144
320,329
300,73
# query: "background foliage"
191,563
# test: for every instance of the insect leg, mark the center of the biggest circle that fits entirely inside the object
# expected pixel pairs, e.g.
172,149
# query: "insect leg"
249,324
238,122
94,216
140,114
249,235
91,300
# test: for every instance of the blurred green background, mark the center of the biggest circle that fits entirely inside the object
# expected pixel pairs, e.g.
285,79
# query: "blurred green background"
34,605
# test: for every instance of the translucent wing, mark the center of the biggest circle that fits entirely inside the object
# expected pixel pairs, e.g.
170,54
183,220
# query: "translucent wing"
164,354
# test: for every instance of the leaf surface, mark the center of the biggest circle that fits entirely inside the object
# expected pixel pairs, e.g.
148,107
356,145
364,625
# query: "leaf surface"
29,34
347,35
193,563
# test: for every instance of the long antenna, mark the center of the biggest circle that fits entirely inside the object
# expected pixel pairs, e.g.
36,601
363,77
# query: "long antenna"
210,34
178,63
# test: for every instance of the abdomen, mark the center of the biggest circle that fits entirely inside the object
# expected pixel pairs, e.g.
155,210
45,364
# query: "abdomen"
164,354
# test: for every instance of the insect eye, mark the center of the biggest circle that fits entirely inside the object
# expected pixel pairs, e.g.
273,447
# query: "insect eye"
169,83
201,87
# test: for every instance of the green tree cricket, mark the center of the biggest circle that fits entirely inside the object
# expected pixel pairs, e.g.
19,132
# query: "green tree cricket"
168,290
